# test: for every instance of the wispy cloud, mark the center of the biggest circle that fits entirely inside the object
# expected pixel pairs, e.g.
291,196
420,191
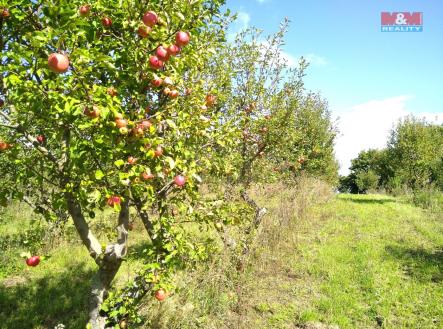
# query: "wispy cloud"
368,125
315,60
243,18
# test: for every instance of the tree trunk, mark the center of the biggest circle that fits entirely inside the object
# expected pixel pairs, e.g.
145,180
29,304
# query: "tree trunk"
108,260
99,293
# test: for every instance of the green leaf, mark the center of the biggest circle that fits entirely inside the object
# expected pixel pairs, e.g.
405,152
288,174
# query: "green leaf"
99,174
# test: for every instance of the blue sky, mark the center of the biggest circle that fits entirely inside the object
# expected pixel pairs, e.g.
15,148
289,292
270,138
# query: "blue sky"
370,78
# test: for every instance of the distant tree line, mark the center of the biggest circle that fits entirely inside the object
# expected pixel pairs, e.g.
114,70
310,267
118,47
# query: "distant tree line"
413,159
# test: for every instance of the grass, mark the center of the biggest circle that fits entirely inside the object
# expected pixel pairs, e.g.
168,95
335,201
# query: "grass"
356,261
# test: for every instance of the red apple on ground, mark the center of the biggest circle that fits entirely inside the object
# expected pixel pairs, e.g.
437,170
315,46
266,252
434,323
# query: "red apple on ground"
113,200
180,180
155,62
160,295
158,151
144,31
58,63
93,112
84,10
150,18
162,53
182,38
173,50
106,22
33,261
40,139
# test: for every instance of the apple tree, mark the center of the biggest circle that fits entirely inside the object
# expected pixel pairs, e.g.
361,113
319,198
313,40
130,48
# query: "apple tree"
102,105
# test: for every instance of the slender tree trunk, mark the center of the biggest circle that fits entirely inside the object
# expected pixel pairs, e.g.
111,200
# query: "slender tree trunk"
108,260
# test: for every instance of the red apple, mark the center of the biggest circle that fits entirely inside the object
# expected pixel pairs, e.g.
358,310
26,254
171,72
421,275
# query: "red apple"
174,93
156,82
162,53
150,18
173,50
158,151
155,62
180,180
143,31
167,91
113,200
106,22
40,139
138,131
92,113
146,176
132,160
120,123
33,261
210,100
3,146
84,10
5,13
58,63
146,124
182,38
160,295
111,91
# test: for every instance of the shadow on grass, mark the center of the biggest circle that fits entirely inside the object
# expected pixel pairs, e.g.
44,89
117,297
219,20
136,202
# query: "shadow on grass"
368,200
419,263
47,301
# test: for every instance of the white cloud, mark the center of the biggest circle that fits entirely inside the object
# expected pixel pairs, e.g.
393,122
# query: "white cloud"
368,125
315,60
290,59
243,18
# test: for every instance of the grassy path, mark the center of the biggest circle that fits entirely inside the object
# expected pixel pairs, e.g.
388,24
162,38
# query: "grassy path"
356,262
